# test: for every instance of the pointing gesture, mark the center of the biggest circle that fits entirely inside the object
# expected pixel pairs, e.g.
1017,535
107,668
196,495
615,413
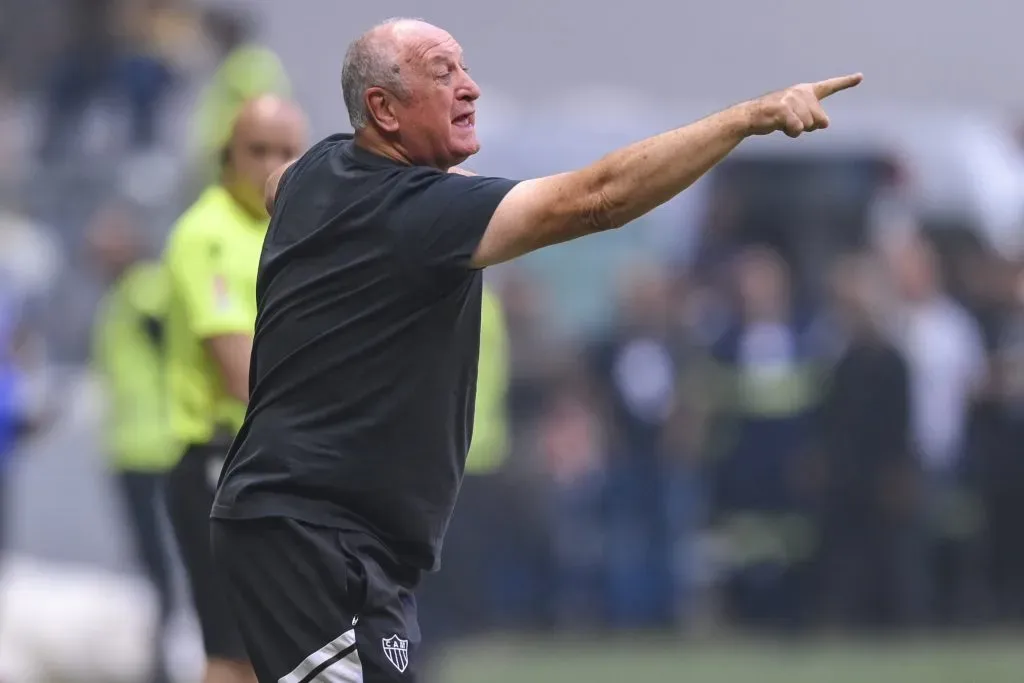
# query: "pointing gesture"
797,109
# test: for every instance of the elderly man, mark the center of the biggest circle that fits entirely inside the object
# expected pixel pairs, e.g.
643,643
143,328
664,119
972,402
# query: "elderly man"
339,487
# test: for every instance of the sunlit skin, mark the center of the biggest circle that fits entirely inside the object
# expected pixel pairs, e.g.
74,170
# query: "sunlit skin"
268,133
435,123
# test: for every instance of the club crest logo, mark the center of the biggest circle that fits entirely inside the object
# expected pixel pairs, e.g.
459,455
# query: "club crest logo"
397,652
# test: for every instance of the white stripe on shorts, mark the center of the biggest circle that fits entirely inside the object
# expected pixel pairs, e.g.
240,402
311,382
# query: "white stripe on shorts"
347,669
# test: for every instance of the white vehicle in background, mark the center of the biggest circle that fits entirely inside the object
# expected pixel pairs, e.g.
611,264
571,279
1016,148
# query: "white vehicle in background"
871,174
809,197
948,168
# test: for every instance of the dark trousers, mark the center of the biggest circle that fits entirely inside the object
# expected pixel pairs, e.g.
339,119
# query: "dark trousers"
872,570
641,590
144,505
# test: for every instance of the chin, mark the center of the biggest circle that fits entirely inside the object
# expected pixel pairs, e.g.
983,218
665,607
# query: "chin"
465,146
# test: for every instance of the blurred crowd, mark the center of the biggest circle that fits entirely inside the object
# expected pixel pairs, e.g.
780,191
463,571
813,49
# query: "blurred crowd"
731,449
782,430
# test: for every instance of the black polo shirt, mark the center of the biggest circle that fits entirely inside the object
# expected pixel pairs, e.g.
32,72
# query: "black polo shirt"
363,373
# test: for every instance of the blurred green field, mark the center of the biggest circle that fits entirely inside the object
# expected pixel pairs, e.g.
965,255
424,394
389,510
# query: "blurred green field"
956,660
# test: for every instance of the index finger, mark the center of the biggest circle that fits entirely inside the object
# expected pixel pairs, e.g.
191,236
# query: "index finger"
823,89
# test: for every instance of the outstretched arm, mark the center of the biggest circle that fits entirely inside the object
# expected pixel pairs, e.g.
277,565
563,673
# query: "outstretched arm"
631,181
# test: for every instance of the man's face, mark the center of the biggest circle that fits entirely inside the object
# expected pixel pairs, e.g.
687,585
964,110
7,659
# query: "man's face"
437,121
257,150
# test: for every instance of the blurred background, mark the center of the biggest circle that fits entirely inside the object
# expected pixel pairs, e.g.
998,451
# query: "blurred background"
772,430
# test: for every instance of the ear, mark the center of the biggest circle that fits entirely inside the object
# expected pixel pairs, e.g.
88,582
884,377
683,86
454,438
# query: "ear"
380,105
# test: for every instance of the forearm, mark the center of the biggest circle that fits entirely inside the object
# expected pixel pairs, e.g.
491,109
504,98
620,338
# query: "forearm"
231,354
628,183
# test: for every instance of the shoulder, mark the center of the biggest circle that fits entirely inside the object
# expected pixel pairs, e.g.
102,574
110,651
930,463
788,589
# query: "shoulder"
145,285
199,228
329,144
327,147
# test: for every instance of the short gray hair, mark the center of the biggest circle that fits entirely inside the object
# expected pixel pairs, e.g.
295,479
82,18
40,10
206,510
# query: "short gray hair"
370,62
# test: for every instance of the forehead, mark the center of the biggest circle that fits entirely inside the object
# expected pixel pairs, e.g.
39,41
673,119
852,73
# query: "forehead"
424,44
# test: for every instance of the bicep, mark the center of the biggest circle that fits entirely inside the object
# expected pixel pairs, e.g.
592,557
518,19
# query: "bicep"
536,214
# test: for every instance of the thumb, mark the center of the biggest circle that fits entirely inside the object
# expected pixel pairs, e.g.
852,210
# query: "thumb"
823,89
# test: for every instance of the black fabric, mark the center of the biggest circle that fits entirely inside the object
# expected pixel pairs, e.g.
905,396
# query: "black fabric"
190,488
363,373
294,588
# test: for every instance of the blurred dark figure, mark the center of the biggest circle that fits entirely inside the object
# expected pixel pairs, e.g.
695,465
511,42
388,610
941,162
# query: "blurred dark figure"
128,351
870,505
537,364
945,353
459,600
570,439
82,70
762,388
997,293
637,369
113,49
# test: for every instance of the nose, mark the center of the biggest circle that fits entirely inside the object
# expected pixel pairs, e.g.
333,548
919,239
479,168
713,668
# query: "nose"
470,90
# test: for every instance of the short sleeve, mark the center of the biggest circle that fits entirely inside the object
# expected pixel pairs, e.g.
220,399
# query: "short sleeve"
448,218
213,305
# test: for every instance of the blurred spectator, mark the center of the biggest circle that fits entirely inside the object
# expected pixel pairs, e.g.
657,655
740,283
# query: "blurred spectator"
946,356
30,263
10,135
81,71
999,428
571,440
21,413
870,572
537,360
636,367
762,390
158,34
128,353
533,356
459,600
118,49
244,70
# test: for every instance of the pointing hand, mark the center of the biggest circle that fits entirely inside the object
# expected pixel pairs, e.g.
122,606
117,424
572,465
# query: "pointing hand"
796,109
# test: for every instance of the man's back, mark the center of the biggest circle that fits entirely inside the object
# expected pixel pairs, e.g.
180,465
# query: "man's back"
365,354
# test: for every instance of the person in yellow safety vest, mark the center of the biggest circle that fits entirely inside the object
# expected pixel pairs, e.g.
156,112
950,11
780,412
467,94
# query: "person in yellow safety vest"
457,601
246,71
128,344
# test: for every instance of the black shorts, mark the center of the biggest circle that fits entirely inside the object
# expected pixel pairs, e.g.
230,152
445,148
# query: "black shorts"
190,489
317,604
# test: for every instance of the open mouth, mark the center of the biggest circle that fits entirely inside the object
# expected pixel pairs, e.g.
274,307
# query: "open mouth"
465,120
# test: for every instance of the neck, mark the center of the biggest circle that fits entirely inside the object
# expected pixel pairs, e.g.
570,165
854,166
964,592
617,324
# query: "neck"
238,195
373,141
